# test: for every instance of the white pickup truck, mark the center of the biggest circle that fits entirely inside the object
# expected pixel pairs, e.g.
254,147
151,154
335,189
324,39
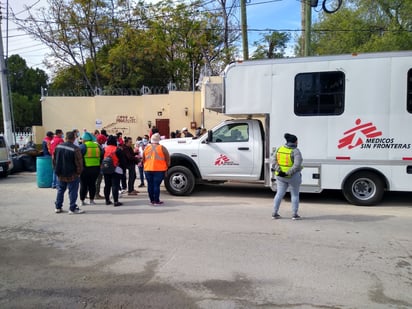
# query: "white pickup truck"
233,150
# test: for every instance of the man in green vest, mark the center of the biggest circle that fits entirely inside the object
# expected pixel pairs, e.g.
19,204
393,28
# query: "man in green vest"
288,164
92,158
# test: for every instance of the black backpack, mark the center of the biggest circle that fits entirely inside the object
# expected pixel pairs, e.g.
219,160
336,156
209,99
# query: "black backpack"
107,165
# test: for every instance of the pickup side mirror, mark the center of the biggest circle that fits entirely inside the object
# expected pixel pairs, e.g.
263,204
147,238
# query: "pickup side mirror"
209,136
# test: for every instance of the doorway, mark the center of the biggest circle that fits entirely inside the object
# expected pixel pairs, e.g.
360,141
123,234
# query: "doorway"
164,127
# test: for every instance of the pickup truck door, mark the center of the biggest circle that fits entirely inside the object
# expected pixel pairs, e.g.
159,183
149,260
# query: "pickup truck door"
229,154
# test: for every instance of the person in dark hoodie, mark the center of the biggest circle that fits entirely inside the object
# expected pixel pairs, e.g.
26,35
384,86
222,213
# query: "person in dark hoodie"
68,165
130,160
288,165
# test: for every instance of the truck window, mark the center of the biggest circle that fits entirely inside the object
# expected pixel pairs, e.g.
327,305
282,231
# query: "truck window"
409,92
319,93
232,132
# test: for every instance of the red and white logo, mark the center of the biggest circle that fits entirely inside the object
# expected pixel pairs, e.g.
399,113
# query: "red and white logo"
357,135
221,160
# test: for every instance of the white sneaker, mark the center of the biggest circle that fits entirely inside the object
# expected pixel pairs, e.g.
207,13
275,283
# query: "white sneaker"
83,203
92,202
76,211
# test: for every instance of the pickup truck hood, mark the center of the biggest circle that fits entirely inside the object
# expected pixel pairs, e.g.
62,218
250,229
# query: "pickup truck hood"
181,145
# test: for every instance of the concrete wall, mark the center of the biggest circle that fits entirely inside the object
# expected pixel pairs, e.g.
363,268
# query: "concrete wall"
126,114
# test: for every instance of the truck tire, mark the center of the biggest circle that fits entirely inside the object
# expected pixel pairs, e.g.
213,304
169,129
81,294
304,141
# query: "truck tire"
179,181
364,188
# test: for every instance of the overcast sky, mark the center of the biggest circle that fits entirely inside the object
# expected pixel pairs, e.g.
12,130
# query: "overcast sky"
261,15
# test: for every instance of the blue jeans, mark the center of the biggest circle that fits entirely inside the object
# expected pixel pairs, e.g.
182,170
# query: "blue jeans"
141,174
73,187
154,179
54,180
282,184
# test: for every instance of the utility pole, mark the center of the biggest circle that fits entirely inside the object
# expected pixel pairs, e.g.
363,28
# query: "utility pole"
308,26
302,26
5,98
243,19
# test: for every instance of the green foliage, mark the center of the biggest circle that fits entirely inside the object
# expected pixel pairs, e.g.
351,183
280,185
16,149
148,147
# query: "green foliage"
171,41
26,111
25,86
364,26
271,45
110,44
24,80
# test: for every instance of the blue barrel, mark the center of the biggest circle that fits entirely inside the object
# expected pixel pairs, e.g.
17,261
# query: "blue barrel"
44,172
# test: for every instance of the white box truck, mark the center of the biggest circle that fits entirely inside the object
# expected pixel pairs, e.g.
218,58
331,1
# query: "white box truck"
352,115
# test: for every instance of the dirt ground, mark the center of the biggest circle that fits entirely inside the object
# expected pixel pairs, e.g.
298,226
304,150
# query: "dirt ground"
215,249
35,276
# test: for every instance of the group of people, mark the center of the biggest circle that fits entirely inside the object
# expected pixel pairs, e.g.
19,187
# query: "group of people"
77,166
77,163
185,133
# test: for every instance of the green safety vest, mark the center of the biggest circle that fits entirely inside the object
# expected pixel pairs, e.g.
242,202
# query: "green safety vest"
92,155
284,158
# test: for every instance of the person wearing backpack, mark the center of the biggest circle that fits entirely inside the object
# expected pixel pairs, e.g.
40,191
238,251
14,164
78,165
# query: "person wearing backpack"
112,178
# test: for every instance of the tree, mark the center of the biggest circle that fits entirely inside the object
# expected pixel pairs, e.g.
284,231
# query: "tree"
230,35
25,88
169,43
271,45
109,44
75,30
364,26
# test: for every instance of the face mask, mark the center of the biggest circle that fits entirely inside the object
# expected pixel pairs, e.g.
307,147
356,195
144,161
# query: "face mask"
78,134
144,141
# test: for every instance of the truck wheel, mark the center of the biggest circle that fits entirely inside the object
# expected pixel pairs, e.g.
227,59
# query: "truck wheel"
179,181
364,189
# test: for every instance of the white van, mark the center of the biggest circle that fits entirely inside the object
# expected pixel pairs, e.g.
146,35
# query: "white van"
6,162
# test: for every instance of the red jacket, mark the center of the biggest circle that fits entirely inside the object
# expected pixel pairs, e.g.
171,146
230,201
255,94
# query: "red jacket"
53,144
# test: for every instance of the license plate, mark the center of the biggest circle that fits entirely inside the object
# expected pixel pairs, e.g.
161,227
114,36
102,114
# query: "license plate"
1,168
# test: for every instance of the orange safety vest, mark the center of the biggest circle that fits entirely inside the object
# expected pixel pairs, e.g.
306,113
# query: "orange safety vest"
155,160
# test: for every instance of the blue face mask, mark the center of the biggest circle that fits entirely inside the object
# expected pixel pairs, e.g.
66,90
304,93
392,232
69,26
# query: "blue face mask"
144,141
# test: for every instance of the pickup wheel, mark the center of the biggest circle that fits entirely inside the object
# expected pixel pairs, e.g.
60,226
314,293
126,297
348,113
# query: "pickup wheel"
364,189
179,181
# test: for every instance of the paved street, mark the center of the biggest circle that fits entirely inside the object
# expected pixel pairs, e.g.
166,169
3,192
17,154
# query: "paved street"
216,249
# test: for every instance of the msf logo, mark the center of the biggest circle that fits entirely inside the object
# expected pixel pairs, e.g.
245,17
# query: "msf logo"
357,135
221,160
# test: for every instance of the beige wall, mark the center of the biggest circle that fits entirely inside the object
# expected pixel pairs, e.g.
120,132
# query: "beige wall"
127,114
